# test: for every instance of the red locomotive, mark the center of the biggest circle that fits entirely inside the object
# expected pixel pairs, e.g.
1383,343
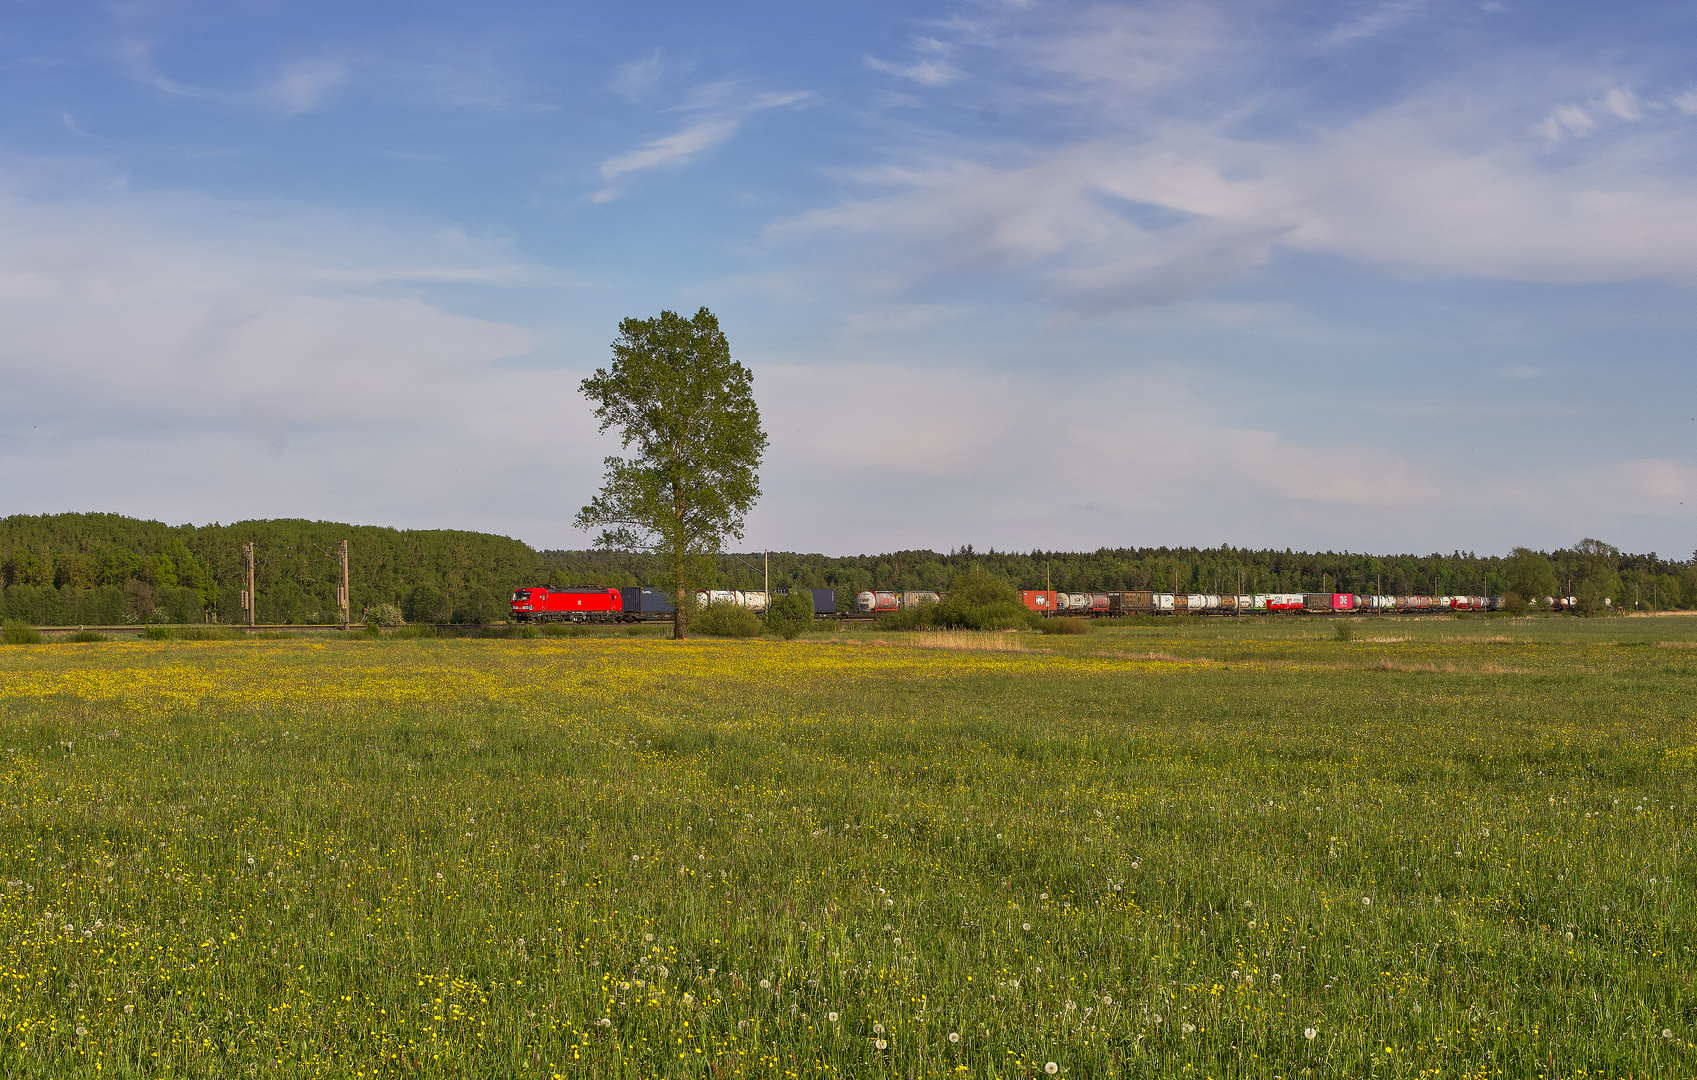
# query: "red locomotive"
573,603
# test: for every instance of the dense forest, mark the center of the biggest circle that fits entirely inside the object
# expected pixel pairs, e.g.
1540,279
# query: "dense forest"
105,569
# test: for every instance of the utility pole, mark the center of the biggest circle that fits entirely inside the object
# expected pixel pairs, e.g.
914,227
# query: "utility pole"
345,598
768,579
249,601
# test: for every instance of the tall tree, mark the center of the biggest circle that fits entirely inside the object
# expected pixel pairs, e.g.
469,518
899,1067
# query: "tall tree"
687,409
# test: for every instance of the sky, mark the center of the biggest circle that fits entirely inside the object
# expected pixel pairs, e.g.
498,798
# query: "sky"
1389,276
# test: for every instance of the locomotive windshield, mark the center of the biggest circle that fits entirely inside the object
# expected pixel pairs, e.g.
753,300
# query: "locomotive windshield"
521,594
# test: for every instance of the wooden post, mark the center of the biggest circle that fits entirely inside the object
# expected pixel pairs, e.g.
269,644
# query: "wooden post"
347,598
252,600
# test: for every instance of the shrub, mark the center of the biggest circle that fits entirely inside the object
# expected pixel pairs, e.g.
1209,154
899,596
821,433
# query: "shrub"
384,615
156,633
727,620
17,632
1344,631
789,615
1066,626
84,636
977,600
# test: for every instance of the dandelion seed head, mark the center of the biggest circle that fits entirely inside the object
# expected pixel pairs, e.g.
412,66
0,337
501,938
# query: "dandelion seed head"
1051,1068
881,1044
954,1036
831,1016
1309,1034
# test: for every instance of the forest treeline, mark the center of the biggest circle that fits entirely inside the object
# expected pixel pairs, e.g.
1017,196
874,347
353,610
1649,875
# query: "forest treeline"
106,569
1591,570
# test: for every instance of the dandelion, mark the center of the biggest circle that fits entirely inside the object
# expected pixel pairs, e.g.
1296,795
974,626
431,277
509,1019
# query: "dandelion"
81,1031
1366,901
765,984
1309,1033
1042,896
689,1001
1025,926
128,1009
1187,1028
881,1044
877,1029
648,937
831,1016
1277,978
1667,1033
250,860
1051,1068
954,1036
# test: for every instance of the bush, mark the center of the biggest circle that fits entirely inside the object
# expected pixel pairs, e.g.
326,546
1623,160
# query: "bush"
156,633
1066,626
18,632
85,636
727,620
977,600
788,616
384,615
1344,631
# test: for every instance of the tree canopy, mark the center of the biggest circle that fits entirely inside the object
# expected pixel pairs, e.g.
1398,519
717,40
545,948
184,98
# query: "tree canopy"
687,411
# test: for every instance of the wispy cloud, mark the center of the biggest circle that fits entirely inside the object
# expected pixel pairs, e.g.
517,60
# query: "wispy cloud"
719,110
1169,195
303,86
1375,22
636,79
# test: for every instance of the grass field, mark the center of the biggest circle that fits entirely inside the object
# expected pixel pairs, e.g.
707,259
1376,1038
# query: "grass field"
1446,848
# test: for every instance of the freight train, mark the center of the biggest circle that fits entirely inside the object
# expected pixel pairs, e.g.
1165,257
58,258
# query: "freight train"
594,603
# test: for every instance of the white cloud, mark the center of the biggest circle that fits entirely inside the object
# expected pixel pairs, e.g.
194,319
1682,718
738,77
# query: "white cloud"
194,361
635,79
1400,186
931,72
303,85
1375,22
722,111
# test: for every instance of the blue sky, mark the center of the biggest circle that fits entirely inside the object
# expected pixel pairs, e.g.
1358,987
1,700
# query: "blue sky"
1407,275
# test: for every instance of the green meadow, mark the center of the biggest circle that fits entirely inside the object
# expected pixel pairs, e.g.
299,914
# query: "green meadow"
1456,847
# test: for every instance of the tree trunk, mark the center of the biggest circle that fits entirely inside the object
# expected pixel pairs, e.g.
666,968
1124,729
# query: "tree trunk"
680,618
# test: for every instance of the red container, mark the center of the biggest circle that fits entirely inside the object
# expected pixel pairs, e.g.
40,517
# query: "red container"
1041,601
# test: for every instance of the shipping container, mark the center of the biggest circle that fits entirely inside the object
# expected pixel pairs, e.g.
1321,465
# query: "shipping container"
1127,603
1284,601
1041,601
915,598
1165,602
646,600
824,601
1099,602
